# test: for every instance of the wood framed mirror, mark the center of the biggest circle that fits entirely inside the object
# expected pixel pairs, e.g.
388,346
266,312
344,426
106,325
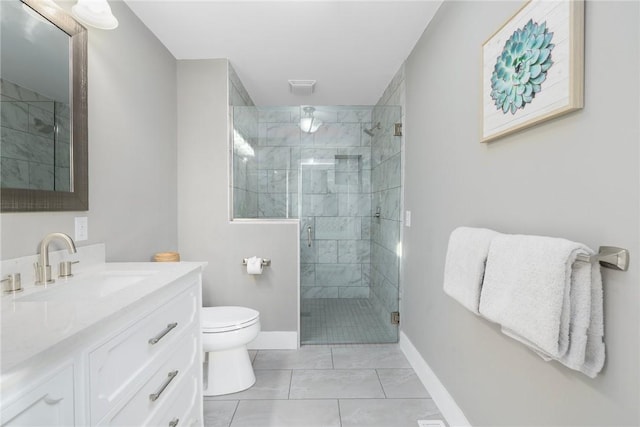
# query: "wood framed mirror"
36,122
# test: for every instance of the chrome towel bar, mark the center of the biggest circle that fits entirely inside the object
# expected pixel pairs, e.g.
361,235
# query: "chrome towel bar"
609,257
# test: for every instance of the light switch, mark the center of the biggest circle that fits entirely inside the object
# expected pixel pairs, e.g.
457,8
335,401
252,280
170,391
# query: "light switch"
407,219
82,228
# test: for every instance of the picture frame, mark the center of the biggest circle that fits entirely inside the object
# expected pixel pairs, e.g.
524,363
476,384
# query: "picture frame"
533,67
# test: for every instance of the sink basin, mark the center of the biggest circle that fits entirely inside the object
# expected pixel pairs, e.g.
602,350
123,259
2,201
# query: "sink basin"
98,285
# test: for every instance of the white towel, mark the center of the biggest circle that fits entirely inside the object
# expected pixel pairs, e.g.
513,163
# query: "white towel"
595,351
464,266
542,298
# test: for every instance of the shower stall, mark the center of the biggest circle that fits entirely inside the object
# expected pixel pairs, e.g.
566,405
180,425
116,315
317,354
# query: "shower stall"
337,169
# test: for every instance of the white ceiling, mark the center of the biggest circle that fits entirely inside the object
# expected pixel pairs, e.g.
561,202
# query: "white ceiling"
352,48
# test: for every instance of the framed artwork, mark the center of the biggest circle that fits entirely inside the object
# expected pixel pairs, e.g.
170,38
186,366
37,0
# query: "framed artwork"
533,67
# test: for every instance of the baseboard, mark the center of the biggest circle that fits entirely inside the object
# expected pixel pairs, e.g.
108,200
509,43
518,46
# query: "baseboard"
275,340
449,408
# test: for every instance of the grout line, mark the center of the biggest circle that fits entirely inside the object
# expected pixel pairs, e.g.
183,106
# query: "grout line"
381,386
333,365
235,410
290,383
339,413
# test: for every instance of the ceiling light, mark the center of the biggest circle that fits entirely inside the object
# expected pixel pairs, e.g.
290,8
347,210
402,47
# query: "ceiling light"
95,13
309,123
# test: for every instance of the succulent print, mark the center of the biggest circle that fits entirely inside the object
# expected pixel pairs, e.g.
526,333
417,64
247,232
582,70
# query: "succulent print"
522,67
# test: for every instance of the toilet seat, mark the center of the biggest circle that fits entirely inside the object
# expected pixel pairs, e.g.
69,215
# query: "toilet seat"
230,318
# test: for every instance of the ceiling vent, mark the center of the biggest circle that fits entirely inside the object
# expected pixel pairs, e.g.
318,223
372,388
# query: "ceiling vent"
302,87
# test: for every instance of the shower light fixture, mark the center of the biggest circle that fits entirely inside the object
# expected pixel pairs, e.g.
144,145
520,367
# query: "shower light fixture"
309,123
95,13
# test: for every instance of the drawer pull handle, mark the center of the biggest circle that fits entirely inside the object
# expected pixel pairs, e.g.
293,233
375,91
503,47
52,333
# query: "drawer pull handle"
161,335
50,400
174,422
154,396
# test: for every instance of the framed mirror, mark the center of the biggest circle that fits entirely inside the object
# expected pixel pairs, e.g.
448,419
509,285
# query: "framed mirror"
43,87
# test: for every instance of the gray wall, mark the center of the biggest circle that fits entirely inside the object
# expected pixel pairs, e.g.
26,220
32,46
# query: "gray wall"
132,150
205,232
575,177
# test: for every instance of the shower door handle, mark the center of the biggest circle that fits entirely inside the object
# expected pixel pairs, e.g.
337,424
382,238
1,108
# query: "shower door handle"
309,236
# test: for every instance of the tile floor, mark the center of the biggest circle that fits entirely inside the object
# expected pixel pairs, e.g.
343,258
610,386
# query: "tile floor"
343,321
327,386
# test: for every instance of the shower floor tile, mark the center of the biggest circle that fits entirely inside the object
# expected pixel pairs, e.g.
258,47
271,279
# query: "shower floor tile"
343,321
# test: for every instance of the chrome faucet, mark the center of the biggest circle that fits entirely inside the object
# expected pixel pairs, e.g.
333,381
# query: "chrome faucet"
43,269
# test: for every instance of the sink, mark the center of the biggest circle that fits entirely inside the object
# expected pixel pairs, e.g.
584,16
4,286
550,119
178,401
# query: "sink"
99,285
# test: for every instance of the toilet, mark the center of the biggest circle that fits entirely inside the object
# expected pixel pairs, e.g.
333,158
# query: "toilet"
226,331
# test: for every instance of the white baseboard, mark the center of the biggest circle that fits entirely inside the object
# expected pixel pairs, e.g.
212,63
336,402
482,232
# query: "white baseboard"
275,340
449,408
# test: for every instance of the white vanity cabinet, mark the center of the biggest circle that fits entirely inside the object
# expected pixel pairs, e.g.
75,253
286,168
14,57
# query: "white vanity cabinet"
137,372
141,365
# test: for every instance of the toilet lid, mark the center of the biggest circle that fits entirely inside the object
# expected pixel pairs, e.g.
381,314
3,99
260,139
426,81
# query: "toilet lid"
227,318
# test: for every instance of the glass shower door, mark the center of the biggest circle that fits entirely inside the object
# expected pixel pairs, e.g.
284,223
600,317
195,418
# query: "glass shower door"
335,194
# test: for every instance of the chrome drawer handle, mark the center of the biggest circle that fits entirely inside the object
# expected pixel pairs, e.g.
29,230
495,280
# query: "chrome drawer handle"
158,337
174,422
154,396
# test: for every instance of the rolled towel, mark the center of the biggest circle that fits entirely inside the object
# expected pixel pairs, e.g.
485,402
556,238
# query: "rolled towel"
465,264
542,298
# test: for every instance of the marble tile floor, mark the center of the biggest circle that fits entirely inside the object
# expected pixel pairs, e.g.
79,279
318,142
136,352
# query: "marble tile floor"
327,386
343,321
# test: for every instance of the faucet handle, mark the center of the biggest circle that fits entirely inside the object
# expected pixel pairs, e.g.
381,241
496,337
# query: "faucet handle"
64,269
14,283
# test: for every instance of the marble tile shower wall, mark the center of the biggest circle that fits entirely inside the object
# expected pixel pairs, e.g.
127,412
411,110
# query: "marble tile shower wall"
245,141
35,136
245,162
324,179
333,180
278,159
387,151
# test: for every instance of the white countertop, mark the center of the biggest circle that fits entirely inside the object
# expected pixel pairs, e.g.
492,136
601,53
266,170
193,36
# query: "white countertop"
32,327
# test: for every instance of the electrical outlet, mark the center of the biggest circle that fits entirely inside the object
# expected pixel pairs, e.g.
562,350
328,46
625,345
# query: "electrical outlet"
82,228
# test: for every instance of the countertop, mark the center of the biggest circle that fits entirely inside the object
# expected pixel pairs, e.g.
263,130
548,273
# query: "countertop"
30,328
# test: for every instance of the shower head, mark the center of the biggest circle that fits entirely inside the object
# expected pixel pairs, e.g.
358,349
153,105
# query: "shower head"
370,131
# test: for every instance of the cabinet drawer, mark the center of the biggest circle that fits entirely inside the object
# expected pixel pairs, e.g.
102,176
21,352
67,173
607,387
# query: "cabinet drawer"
182,407
116,366
163,386
48,403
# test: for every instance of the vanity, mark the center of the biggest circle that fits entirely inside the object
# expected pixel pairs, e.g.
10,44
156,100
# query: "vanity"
116,344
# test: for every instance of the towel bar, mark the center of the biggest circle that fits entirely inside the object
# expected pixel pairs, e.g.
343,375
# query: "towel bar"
609,257
265,262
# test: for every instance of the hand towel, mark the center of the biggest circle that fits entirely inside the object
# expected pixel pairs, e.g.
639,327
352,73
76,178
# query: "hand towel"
526,288
465,263
543,298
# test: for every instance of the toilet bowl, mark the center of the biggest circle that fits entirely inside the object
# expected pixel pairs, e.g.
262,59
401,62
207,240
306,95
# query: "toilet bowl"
226,331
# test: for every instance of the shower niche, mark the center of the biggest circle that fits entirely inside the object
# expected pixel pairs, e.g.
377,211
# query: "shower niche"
343,184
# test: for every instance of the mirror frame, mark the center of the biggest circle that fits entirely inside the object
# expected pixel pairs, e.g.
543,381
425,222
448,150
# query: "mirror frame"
24,200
